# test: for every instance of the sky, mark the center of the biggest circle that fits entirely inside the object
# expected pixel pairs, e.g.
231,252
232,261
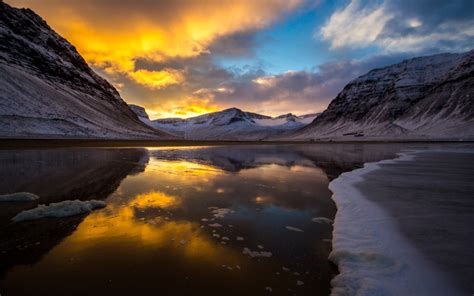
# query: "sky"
182,58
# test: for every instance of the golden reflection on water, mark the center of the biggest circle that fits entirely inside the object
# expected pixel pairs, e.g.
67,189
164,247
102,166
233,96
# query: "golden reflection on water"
161,220
155,199
119,221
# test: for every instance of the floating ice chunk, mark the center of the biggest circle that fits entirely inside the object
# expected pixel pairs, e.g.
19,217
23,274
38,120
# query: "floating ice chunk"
269,289
225,238
223,242
260,247
214,225
204,219
299,283
285,268
216,235
293,229
322,220
19,196
238,267
61,209
255,254
239,238
183,242
220,212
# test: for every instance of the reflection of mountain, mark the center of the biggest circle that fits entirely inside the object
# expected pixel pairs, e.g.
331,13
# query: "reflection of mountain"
55,175
332,158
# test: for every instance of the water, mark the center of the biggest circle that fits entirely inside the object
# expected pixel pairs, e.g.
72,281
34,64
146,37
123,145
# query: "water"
156,235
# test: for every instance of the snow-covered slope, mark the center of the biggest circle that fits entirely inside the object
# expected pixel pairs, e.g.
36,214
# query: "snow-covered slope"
48,90
422,98
229,124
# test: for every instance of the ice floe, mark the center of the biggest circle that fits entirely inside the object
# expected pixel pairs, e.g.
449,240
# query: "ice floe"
220,212
214,225
58,210
19,196
322,220
256,254
294,229
239,238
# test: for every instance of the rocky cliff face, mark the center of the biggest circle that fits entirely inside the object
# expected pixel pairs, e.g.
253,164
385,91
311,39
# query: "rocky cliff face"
48,90
426,97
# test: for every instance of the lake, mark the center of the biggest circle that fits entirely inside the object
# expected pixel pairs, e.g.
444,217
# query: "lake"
234,220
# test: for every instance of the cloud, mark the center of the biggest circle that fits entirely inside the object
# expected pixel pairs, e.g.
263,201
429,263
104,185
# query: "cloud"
356,25
300,91
402,26
157,79
112,36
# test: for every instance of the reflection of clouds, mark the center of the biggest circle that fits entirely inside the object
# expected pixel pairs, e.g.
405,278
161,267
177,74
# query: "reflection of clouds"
155,200
118,224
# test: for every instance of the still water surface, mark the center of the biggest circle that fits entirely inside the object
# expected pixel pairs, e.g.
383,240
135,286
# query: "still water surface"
233,220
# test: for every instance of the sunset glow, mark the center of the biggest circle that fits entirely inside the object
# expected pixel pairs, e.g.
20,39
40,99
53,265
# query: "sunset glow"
186,58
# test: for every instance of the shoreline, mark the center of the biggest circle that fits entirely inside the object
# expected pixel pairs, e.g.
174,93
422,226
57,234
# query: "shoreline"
51,143
372,255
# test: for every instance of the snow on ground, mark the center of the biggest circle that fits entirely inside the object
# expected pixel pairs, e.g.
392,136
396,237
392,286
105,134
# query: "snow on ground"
19,196
372,256
59,210
256,254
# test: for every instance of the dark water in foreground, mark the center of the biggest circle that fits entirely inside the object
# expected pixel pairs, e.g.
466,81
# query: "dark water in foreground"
156,235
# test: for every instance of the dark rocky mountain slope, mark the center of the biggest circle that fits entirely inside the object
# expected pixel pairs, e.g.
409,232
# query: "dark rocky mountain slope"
48,90
422,98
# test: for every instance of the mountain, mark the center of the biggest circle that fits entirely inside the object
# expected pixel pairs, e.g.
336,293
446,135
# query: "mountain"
229,124
422,98
48,90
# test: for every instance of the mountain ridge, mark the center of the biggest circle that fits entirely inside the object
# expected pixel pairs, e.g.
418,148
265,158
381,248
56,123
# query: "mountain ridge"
48,90
228,124
427,97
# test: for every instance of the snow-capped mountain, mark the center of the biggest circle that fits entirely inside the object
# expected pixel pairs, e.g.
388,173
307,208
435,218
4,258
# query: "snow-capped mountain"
422,98
229,124
48,90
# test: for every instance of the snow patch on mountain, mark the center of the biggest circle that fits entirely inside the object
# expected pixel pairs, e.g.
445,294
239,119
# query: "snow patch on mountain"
422,98
229,124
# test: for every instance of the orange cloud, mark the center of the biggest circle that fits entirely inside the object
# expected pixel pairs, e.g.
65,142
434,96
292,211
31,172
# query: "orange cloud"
157,79
112,36
187,107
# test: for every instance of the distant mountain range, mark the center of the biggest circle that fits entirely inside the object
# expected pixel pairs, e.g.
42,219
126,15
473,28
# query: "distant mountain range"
422,98
229,124
48,90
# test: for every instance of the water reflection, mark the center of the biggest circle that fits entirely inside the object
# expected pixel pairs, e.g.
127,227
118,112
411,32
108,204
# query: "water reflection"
177,219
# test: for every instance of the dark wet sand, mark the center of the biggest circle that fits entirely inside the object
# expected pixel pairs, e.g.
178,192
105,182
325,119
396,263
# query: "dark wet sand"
432,201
